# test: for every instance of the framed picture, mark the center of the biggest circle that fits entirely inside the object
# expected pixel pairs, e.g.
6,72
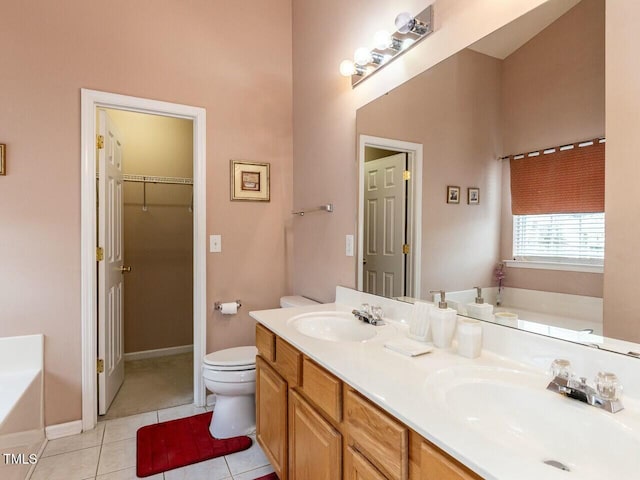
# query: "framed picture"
3,159
473,196
250,181
453,194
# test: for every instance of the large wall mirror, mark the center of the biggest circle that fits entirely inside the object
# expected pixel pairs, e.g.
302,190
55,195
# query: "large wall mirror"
506,141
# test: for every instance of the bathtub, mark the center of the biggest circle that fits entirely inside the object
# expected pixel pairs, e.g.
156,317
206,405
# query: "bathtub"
541,312
22,435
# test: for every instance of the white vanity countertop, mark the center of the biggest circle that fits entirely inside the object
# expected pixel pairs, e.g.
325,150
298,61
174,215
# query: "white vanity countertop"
398,384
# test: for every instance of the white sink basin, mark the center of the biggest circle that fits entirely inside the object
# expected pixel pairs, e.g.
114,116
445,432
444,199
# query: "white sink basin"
512,410
334,327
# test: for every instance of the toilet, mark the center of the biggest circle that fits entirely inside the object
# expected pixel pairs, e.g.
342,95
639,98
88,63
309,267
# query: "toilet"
231,375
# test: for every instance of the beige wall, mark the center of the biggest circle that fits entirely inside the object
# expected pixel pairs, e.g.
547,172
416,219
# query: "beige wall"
622,204
453,110
324,109
552,94
158,243
196,53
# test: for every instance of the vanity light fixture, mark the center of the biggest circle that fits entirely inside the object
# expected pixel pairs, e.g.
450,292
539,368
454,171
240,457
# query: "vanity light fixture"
386,46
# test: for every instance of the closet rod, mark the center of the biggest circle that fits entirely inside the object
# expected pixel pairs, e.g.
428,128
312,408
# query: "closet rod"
152,179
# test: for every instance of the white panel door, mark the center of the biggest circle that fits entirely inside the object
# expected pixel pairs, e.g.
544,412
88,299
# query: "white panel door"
110,269
384,225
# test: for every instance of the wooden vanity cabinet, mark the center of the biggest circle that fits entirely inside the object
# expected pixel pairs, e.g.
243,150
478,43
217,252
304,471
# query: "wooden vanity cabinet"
437,465
312,426
271,416
315,447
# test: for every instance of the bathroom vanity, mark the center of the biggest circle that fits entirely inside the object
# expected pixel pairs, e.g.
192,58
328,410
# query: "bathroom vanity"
311,424
331,405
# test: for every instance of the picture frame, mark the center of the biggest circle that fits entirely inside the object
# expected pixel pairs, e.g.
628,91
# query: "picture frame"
3,159
453,194
473,196
250,181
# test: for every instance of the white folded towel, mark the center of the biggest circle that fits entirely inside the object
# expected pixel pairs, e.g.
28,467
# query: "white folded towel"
408,347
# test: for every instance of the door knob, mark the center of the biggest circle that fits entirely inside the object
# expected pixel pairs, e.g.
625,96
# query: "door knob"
124,269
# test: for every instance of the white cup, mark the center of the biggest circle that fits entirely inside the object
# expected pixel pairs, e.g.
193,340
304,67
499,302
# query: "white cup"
469,338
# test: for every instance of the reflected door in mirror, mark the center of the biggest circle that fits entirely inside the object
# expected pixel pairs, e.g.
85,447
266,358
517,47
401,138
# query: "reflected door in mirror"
385,226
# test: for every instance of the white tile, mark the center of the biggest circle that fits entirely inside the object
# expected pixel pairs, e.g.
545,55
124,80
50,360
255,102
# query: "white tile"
77,465
126,427
246,460
127,474
257,473
117,456
214,469
179,412
91,438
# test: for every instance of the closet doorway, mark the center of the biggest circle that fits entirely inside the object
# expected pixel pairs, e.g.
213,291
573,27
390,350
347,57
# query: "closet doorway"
92,102
145,281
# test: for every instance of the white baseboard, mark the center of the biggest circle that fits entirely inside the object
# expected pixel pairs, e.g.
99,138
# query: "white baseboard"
63,429
158,352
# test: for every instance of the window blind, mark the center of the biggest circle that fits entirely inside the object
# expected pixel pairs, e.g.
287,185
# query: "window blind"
568,179
567,238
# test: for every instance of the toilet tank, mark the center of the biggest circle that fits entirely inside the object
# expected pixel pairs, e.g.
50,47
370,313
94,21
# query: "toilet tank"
296,301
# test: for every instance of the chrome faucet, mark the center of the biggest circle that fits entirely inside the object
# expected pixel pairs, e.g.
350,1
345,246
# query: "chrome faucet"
604,396
371,314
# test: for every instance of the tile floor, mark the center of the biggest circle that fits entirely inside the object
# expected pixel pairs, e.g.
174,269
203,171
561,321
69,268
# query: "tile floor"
108,452
170,379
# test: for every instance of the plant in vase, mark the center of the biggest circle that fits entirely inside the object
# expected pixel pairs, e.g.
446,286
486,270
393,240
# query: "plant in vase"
499,274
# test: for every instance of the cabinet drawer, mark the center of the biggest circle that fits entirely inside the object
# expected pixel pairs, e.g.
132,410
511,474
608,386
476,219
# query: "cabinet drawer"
288,361
381,439
265,343
436,465
322,388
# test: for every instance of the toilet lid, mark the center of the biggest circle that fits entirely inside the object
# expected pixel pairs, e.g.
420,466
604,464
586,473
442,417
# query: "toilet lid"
242,357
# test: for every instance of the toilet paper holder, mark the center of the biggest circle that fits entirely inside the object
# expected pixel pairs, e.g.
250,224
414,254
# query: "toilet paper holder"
218,305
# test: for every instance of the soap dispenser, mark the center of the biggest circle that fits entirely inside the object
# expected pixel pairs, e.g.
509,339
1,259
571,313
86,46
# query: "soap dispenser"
479,309
443,322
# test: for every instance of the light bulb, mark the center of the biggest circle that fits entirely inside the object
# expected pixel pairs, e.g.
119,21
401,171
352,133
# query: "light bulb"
347,68
381,40
362,56
407,43
403,22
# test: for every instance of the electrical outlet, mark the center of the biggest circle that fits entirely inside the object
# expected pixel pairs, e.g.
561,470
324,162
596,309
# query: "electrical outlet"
349,246
215,243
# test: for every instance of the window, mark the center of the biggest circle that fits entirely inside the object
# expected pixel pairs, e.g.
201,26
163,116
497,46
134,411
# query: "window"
576,238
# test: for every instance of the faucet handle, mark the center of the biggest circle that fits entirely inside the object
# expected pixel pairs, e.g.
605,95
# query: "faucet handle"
365,307
561,367
376,312
608,386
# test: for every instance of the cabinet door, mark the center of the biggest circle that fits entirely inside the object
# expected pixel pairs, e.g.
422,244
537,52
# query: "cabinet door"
356,467
271,416
315,447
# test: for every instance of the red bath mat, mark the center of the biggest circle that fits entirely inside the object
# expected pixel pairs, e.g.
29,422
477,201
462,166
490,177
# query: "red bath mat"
168,445
271,476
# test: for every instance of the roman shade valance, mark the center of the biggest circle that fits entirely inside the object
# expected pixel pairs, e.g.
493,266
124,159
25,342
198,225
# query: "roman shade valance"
567,179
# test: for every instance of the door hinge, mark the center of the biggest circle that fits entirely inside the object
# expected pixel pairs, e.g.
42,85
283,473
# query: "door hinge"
405,249
100,366
100,141
99,254
406,175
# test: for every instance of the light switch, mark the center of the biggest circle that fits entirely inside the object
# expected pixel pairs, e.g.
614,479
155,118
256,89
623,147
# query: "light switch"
349,246
215,243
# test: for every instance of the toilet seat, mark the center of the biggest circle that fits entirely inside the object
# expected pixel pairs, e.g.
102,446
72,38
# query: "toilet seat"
231,359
